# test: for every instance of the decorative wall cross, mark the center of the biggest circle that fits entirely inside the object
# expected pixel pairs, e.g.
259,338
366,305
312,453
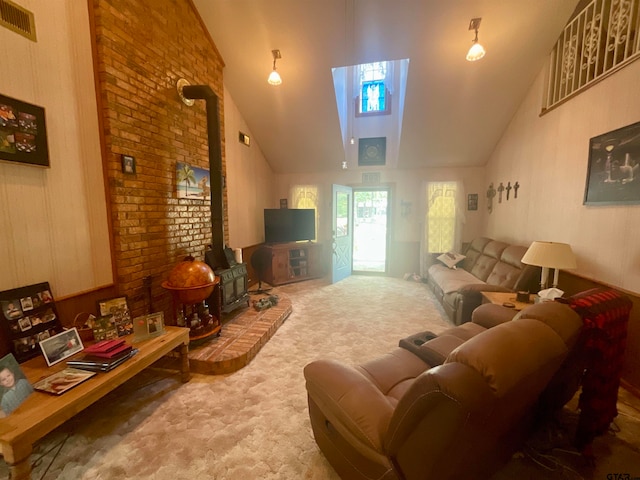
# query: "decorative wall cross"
500,190
508,189
516,186
490,194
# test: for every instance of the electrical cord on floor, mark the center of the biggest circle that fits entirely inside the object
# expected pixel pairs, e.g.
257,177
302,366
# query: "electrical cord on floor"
551,462
71,431
59,446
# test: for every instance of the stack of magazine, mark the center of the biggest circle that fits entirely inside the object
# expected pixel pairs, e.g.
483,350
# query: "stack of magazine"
104,356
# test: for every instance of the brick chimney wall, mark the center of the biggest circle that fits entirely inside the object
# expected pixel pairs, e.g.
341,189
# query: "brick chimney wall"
142,48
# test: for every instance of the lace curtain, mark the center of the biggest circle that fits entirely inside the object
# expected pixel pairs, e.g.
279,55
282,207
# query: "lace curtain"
443,220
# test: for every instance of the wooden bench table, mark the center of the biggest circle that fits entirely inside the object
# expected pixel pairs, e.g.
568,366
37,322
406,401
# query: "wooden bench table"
41,412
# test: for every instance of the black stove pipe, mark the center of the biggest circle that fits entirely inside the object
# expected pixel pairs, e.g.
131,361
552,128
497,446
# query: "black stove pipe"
216,258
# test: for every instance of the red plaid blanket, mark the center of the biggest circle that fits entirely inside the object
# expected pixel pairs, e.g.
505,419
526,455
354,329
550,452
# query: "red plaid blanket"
605,313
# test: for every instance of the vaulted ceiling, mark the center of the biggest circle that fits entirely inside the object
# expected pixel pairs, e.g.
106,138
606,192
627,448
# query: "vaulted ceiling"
455,110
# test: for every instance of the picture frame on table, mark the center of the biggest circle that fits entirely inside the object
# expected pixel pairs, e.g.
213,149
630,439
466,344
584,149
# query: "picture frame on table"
613,171
147,326
28,315
118,309
63,345
64,380
16,388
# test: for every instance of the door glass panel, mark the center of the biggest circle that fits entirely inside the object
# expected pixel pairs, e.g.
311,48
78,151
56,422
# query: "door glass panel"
370,230
342,214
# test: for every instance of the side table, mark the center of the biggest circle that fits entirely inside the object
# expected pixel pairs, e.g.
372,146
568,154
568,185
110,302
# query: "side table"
500,298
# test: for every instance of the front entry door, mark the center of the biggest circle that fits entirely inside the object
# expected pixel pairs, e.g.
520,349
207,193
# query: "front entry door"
342,224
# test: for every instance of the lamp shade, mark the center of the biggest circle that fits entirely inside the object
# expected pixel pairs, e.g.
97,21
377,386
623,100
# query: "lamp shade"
476,52
550,254
274,78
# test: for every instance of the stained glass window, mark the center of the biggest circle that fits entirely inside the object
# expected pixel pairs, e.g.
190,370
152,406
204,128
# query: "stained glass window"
372,87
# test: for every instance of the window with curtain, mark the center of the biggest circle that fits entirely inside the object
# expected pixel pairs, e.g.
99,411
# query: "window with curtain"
441,216
443,220
306,196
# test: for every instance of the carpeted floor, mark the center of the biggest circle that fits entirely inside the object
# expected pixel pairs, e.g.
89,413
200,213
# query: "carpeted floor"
253,424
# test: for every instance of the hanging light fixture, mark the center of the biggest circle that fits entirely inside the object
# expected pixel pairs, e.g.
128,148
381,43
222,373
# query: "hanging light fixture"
274,77
476,52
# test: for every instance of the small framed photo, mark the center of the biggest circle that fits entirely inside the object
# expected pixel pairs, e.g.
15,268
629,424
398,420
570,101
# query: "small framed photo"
15,385
118,309
60,382
61,346
104,328
147,326
472,201
155,323
128,164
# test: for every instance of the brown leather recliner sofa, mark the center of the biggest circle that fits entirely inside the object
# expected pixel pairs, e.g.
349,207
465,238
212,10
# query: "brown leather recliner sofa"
489,265
456,408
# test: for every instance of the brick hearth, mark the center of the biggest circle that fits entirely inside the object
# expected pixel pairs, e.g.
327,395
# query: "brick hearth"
243,334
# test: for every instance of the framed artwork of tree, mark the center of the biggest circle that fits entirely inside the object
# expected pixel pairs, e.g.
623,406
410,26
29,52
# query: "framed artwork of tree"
192,182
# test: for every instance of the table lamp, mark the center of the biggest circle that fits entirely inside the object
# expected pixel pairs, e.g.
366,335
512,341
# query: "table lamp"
549,255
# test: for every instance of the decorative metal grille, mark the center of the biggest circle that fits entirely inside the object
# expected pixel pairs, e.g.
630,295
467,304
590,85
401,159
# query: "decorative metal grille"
17,19
371,178
601,39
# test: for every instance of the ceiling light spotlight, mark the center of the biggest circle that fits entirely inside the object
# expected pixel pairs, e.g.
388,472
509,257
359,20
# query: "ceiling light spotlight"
476,52
274,77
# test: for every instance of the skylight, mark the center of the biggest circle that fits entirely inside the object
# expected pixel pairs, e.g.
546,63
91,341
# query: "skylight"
370,99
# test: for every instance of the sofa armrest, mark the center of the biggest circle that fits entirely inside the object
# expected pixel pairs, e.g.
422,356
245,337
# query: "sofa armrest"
488,315
339,390
429,417
435,351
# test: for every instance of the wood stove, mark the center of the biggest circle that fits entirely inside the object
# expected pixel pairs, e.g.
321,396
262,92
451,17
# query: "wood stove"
233,287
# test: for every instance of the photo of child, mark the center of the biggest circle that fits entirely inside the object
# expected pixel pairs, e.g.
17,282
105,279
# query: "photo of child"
15,388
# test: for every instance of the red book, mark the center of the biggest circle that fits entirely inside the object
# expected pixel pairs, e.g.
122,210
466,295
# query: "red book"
124,348
107,348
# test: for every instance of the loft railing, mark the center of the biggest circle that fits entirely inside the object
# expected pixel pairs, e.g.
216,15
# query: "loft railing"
597,42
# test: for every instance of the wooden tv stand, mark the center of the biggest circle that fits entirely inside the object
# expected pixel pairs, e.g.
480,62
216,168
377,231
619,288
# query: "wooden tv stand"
41,412
293,262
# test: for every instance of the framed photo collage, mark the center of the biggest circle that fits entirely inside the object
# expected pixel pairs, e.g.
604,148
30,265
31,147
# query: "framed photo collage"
28,316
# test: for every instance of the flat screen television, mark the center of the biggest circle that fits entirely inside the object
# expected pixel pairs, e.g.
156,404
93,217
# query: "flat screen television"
283,225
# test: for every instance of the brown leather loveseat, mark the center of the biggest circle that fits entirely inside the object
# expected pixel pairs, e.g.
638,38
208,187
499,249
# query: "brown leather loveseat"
489,266
406,416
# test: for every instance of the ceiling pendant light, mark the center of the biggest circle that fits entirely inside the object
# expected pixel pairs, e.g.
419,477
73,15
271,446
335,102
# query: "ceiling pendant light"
476,52
274,77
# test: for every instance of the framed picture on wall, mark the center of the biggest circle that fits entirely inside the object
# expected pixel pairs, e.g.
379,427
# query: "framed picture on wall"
372,151
192,182
613,173
128,164
472,201
23,133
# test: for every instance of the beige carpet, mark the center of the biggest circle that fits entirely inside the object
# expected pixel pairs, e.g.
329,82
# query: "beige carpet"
252,424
